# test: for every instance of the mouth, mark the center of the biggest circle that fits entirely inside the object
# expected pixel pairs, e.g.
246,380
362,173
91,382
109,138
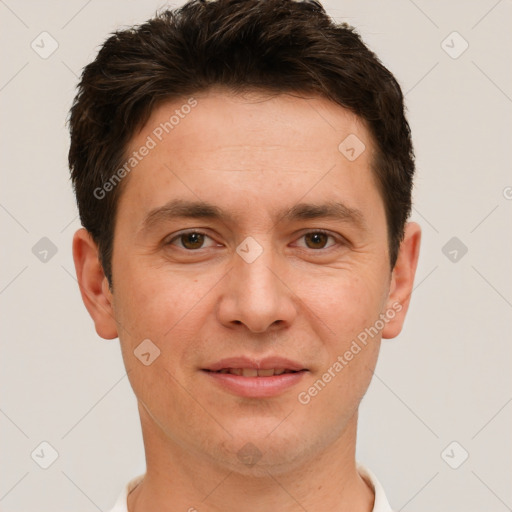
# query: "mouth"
251,378
254,372
252,367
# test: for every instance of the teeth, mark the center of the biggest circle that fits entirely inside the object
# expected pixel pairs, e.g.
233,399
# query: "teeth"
266,373
254,372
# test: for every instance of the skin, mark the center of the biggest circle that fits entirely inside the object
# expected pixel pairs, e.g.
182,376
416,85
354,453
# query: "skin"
304,299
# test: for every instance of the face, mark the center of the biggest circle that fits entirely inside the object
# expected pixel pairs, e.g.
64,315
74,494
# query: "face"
247,241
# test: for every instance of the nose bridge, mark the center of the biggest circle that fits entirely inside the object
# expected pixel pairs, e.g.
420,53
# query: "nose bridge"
257,297
257,275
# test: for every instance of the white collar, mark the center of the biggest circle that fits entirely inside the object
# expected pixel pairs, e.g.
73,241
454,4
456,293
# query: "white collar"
381,503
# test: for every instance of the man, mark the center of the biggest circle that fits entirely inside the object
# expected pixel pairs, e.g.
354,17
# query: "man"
243,171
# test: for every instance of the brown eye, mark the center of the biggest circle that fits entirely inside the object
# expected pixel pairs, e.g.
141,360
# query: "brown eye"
316,239
192,240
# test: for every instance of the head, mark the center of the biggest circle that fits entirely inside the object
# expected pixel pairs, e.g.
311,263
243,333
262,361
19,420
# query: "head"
280,140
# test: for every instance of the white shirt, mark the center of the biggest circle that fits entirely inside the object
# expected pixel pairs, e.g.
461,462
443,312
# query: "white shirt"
380,504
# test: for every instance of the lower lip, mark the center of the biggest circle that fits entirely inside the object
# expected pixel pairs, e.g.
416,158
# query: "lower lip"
256,387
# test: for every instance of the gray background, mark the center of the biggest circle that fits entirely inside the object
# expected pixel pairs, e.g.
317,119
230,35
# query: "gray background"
446,378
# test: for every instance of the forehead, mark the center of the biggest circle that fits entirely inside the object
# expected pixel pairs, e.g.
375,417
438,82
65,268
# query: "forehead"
217,120
234,149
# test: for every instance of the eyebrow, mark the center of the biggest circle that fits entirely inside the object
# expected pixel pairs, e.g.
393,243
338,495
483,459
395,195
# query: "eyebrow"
180,208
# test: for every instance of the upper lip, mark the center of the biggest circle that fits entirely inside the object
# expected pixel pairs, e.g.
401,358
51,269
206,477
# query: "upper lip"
266,363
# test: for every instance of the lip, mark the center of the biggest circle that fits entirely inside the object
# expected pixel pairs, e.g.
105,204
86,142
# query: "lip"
263,364
256,387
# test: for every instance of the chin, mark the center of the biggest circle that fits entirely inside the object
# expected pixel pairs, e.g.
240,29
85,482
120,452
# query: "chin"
258,455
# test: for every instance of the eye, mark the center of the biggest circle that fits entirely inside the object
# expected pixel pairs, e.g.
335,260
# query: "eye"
195,240
191,240
318,239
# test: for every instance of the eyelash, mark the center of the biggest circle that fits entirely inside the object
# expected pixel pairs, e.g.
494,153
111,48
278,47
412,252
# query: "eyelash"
339,241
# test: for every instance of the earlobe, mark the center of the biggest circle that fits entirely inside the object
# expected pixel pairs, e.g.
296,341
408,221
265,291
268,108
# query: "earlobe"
402,280
93,284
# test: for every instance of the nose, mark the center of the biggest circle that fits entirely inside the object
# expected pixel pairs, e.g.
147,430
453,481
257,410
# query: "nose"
257,295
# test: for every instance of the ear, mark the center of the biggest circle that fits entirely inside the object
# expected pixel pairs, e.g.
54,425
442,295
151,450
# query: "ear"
93,284
402,280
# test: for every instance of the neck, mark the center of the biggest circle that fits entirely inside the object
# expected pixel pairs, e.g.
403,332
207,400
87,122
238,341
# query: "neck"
177,479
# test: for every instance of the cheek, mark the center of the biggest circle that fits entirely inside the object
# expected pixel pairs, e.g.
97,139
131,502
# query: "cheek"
164,311
345,302
167,308
149,302
346,307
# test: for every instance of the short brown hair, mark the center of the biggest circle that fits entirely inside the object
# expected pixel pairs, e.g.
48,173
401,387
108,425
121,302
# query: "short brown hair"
275,46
